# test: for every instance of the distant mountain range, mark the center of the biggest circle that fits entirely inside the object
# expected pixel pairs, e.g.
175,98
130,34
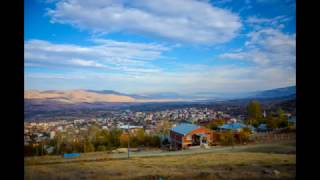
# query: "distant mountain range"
90,96
280,92
273,93
110,96
73,103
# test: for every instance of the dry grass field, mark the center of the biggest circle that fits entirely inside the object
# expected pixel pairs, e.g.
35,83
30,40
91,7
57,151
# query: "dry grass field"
252,163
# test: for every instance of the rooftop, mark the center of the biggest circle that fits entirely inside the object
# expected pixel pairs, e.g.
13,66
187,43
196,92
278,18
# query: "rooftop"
131,127
233,126
184,128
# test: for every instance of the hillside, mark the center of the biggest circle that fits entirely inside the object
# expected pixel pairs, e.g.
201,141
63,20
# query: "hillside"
107,96
76,96
87,103
253,162
87,96
274,93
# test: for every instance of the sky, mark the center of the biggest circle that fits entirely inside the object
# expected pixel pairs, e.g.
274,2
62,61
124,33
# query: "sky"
147,46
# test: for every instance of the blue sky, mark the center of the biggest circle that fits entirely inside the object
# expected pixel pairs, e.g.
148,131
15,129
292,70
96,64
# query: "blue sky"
142,46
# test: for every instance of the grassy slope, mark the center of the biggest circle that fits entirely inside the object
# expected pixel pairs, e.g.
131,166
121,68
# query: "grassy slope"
246,164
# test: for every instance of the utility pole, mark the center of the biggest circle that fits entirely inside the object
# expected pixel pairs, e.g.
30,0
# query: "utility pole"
128,140
232,135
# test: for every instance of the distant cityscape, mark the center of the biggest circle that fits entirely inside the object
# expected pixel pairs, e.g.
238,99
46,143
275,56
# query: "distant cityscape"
36,132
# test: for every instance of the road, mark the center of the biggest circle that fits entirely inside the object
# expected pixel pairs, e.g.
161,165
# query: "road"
102,156
185,152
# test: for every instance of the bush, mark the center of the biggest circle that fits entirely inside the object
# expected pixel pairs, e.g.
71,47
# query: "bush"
28,150
88,147
165,141
225,138
215,123
248,130
101,148
155,141
283,123
244,136
124,140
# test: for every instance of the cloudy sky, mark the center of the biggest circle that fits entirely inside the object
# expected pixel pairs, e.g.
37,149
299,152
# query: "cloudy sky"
137,46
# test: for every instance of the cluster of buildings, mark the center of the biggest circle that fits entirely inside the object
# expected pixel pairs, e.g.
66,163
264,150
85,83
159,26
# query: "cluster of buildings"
191,132
35,132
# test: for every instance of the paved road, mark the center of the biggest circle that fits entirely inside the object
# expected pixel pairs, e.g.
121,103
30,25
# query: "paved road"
184,152
150,153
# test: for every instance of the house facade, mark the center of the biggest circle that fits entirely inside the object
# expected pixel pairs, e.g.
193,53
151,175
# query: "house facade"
185,135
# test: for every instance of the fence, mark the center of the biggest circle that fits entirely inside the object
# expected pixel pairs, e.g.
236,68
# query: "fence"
267,137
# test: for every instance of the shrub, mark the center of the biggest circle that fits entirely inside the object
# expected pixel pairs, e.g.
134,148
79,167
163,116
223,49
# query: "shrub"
244,136
101,148
215,123
28,150
283,123
88,147
225,138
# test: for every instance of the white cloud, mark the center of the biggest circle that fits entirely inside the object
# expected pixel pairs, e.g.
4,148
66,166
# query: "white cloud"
127,66
190,21
58,76
252,20
272,55
188,79
267,47
87,63
233,56
104,54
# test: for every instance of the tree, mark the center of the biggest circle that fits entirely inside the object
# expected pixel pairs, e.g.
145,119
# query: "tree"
244,135
282,118
124,140
247,130
225,138
101,148
58,141
254,113
92,133
154,141
114,138
164,128
88,147
102,138
215,123
140,136
271,121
